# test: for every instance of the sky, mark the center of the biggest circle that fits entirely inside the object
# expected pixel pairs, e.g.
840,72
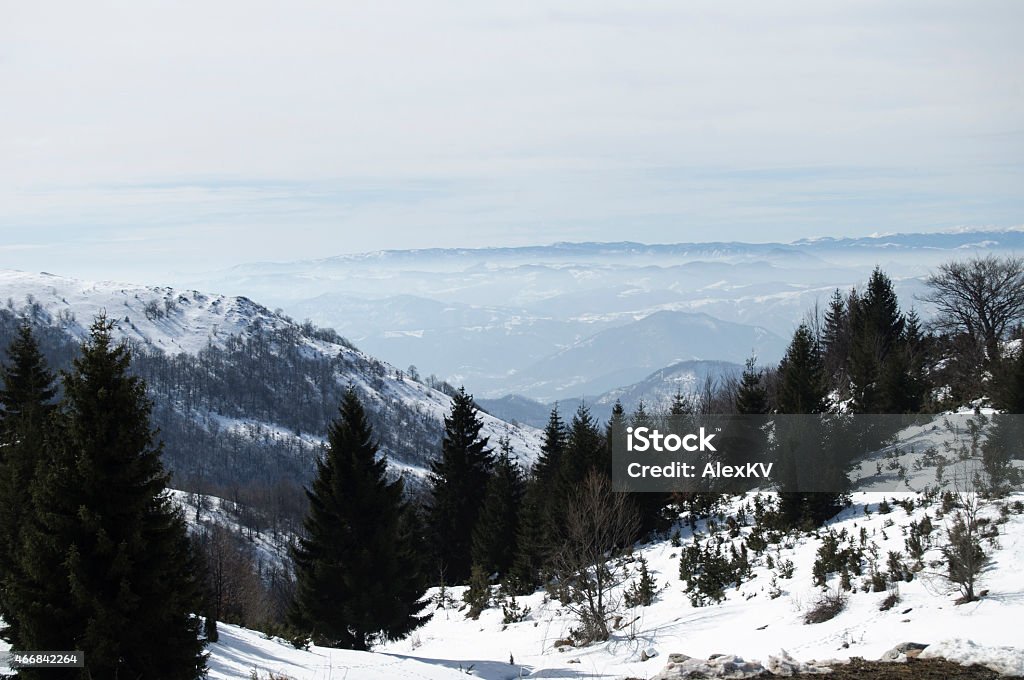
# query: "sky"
142,140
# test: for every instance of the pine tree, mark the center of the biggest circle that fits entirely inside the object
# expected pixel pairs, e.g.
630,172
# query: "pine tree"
25,407
495,534
358,576
1007,431
802,391
877,326
1008,384
549,461
109,567
743,440
680,405
801,384
835,341
458,484
752,395
535,536
532,546
648,504
585,448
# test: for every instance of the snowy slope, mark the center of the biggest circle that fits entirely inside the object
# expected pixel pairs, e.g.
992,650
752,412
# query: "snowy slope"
757,620
244,654
239,652
185,321
749,622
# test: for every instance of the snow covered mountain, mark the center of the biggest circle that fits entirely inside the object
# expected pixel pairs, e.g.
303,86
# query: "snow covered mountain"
230,377
656,391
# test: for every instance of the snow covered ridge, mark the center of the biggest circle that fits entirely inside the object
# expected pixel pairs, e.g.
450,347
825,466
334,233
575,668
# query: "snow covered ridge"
173,321
159,317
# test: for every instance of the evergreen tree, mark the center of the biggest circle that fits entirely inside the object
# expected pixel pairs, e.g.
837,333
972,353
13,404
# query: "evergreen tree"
648,504
680,405
26,398
877,326
458,484
585,450
801,385
802,391
495,534
743,439
358,576
835,341
1007,431
535,536
1008,383
752,395
108,565
903,381
550,459
532,545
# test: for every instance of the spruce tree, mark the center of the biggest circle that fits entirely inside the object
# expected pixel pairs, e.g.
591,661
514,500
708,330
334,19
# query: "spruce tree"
877,327
744,440
26,397
649,504
585,450
1007,431
532,546
108,565
802,391
752,395
535,537
495,534
835,341
545,470
801,383
458,484
358,576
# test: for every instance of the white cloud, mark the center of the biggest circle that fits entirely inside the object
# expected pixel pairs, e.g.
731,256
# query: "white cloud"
561,119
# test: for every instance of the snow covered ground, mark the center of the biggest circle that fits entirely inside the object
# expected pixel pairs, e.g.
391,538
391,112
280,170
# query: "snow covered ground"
240,652
750,622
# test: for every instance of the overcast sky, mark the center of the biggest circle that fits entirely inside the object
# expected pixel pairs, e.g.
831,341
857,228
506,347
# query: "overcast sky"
146,138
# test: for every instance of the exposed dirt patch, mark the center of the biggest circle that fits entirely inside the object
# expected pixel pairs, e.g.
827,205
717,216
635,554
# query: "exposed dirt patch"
918,669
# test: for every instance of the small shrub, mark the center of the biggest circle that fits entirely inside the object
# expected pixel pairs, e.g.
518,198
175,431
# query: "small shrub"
512,612
478,595
642,592
827,607
891,600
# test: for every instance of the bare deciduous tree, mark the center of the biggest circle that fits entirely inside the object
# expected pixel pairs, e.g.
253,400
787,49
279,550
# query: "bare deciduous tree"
982,297
599,523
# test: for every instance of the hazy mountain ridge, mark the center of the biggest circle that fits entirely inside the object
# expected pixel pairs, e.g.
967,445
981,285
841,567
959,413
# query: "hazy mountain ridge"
485,316
656,391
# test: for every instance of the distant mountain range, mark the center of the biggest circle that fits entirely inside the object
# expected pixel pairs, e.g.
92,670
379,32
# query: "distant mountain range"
656,391
568,319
